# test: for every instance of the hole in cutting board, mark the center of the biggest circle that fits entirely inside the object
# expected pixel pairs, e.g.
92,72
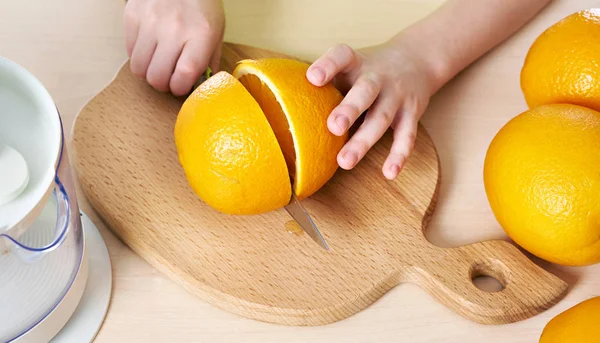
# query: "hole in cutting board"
489,276
487,283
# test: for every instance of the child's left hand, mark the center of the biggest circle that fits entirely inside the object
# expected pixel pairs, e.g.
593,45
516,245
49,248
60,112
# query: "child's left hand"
388,80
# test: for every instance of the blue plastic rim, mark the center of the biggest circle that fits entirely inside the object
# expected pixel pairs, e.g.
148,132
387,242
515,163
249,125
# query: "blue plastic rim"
62,222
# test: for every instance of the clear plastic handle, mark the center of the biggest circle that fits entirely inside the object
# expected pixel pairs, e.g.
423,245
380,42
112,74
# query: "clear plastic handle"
41,239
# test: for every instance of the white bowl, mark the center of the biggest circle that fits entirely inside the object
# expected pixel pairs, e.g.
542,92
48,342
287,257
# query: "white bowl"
29,123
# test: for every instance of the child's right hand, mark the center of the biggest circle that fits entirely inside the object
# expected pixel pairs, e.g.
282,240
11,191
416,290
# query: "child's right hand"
172,42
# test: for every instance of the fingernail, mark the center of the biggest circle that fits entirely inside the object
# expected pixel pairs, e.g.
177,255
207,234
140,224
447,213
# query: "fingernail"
316,75
342,122
351,157
391,171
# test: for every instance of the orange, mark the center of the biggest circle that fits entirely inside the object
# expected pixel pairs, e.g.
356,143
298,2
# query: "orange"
562,64
228,150
298,113
542,179
578,324
239,143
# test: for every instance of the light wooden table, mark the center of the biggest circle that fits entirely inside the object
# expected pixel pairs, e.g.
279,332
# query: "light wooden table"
76,46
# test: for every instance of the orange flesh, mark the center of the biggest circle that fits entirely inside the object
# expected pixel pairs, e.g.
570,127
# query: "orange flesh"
274,113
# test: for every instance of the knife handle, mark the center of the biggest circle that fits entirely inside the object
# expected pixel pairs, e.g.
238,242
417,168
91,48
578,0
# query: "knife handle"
448,273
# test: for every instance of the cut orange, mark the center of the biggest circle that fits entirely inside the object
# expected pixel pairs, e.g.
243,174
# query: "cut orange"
298,113
228,150
239,142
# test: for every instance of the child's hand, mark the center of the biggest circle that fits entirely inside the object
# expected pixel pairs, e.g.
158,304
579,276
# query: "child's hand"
395,80
172,42
388,81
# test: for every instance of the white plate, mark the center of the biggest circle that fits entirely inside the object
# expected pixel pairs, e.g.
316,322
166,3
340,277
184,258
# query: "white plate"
80,313
89,316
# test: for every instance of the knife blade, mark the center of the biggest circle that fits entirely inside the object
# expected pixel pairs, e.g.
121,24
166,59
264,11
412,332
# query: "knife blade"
201,79
297,211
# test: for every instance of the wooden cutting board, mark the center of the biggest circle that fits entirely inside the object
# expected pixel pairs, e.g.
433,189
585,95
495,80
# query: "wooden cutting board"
127,165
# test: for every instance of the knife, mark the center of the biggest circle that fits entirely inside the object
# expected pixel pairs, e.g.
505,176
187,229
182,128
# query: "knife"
295,209
202,78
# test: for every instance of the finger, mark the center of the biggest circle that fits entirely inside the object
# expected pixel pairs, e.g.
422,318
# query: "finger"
215,60
132,26
360,97
143,51
405,134
192,63
376,122
339,59
344,82
163,64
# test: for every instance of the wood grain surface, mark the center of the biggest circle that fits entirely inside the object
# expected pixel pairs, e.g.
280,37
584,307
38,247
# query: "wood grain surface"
75,47
251,265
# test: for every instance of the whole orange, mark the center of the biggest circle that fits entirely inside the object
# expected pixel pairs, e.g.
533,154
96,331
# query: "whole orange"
242,142
562,65
578,324
542,180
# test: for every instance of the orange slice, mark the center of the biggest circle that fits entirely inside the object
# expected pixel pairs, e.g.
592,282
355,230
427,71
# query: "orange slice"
297,112
228,151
